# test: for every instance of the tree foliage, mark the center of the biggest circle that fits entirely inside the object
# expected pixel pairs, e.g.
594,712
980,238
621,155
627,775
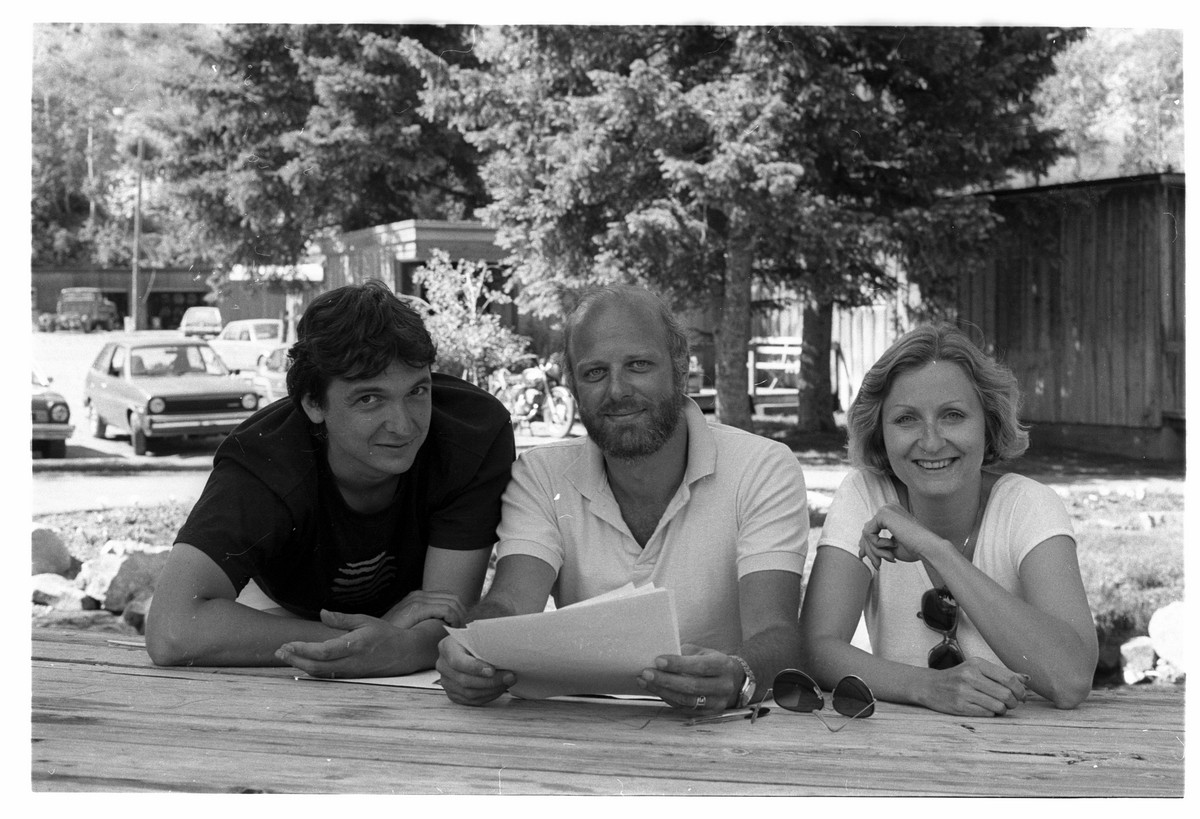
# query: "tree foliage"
1117,98
96,90
471,338
303,130
700,159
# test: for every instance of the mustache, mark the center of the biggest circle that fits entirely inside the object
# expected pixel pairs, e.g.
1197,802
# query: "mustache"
625,405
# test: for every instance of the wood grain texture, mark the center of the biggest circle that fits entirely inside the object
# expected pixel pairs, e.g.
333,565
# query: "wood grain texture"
105,719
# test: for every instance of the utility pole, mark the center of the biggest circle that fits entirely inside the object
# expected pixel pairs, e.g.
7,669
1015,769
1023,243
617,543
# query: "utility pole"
137,239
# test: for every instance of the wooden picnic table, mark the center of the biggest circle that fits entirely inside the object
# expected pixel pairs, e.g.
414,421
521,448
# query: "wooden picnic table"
104,718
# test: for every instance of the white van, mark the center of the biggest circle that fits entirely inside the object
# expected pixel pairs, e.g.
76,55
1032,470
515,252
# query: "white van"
201,321
246,342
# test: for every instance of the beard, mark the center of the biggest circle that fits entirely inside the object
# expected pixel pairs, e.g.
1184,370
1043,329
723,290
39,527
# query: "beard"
629,442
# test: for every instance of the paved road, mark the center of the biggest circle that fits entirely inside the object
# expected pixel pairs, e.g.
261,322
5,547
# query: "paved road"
73,491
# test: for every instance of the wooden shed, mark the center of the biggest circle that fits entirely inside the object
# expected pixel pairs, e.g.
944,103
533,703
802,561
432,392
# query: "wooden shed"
1085,301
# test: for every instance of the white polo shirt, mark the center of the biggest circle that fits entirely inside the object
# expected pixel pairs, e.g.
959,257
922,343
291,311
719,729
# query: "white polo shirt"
741,508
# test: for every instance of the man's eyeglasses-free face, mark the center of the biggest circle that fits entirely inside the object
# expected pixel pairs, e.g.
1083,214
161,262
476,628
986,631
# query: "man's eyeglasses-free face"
939,610
796,691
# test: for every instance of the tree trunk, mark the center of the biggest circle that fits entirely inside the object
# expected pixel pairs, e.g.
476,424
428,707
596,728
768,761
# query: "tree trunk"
814,398
732,339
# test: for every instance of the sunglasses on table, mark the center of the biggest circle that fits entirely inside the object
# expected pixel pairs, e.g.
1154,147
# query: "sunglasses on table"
939,610
796,691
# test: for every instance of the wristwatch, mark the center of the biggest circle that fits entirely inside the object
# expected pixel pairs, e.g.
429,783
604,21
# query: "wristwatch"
747,692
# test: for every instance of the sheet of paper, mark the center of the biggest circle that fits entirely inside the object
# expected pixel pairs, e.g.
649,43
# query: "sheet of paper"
598,646
421,679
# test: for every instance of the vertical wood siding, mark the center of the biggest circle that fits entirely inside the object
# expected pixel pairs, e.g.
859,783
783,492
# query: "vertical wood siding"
1084,300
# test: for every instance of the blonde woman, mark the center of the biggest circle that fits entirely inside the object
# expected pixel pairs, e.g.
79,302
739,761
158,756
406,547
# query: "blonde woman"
968,579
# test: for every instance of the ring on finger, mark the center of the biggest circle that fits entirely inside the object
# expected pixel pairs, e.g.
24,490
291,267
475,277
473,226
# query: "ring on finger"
700,701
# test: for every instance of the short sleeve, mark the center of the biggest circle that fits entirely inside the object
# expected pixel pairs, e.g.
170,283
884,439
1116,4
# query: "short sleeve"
237,522
773,516
528,522
856,499
1030,513
467,519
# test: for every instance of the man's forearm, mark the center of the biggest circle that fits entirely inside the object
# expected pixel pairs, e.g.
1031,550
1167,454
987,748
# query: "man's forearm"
770,651
490,608
221,632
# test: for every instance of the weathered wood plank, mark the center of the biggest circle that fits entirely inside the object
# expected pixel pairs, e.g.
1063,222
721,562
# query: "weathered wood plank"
104,718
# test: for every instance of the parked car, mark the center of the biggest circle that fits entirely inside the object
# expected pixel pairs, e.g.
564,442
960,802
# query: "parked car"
51,419
201,321
270,378
154,388
246,342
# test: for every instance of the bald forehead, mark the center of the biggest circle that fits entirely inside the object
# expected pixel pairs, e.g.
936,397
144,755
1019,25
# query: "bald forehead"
636,303
622,313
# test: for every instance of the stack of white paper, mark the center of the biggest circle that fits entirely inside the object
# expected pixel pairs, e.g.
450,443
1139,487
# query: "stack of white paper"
597,646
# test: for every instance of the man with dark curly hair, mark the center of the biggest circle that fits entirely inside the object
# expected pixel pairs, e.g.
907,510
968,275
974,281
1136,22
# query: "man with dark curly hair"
342,528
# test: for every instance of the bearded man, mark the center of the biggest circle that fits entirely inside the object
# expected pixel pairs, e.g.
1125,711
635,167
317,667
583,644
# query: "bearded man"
654,494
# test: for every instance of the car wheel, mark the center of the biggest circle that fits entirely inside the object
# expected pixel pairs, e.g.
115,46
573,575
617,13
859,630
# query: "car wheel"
136,436
55,449
99,428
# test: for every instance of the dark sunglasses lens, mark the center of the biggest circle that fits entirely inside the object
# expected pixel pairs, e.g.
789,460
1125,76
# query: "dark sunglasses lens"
945,656
852,698
939,612
796,691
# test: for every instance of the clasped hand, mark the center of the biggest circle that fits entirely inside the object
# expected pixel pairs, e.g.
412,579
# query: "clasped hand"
976,688
372,646
909,540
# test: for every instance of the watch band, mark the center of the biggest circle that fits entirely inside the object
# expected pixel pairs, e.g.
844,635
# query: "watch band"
747,692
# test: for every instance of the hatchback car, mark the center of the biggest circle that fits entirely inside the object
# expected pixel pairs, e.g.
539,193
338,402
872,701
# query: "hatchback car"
51,419
201,321
154,388
270,378
246,342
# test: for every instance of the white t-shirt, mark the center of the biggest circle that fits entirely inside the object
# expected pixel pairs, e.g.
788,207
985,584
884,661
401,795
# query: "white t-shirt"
741,508
1020,514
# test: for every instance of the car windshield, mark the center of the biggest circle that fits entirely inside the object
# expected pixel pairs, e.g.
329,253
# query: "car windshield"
175,359
38,381
278,360
269,330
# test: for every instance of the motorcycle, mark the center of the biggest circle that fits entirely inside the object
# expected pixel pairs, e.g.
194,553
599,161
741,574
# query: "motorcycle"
531,390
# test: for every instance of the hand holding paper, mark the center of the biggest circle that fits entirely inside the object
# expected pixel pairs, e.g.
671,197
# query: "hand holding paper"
597,646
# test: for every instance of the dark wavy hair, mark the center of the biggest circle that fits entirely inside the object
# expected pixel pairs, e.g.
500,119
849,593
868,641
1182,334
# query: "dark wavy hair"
677,340
994,383
354,332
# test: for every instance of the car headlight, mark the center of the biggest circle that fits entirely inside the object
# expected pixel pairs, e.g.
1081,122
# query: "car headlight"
157,405
60,413
250,400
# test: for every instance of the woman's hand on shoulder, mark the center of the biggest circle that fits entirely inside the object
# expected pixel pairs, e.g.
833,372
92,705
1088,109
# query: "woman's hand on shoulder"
894,534
976,688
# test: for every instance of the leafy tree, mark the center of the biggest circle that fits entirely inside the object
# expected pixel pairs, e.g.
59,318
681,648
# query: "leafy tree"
96,89
1117,98
303,130
472,341
702,159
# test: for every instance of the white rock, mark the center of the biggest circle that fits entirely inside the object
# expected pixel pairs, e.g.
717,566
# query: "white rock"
1137,659
1168,627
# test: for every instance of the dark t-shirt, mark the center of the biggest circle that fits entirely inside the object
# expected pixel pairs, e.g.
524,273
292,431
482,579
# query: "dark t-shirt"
271,511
